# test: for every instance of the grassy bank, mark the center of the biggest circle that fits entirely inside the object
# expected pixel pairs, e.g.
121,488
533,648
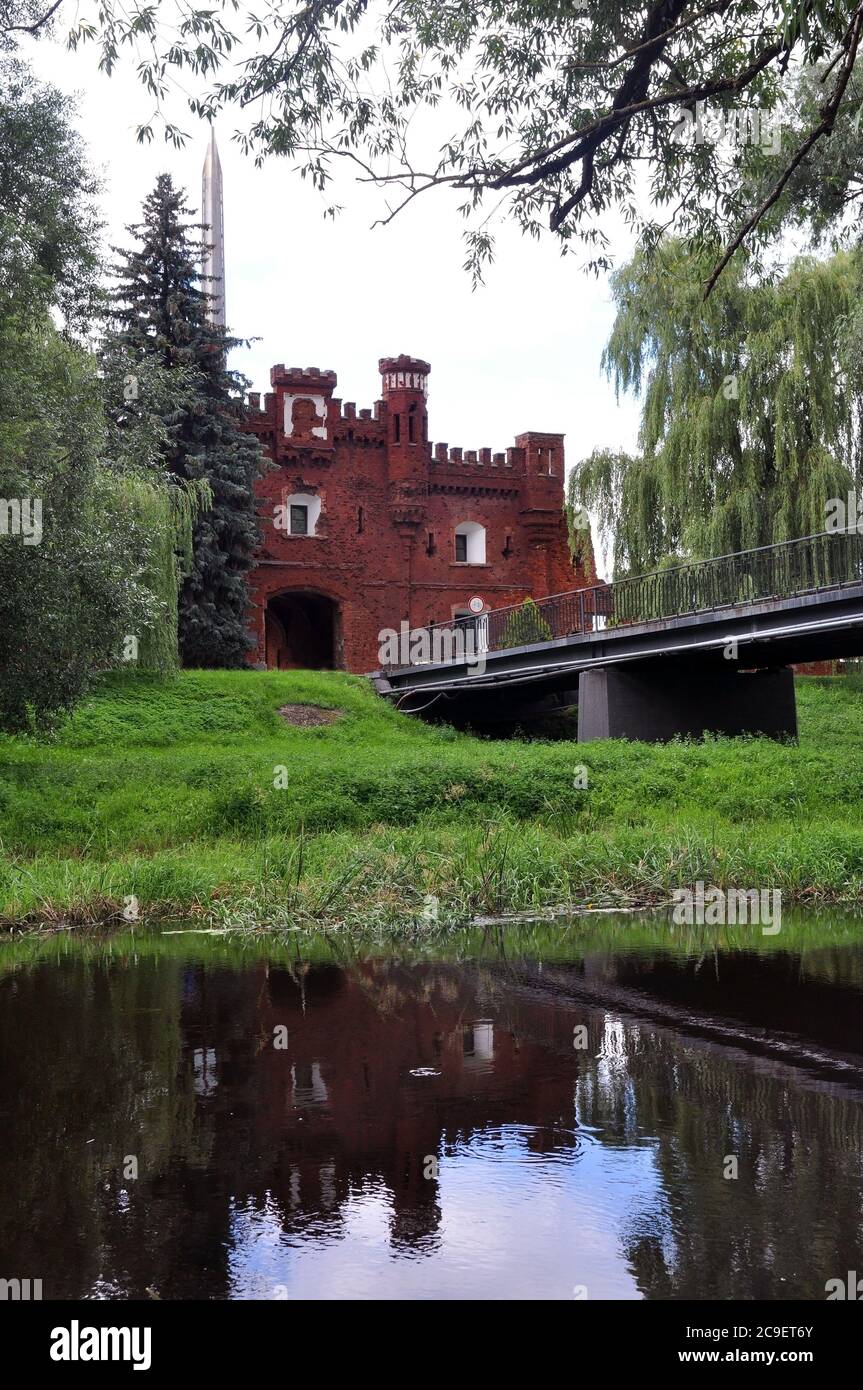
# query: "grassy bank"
195,793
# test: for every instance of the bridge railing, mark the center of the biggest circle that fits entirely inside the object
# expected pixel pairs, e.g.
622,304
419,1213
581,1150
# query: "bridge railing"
786,570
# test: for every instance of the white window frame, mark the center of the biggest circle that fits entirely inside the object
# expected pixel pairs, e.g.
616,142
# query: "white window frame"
313,512
475,534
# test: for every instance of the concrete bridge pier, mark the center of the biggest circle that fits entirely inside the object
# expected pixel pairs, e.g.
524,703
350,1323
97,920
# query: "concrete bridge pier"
655,704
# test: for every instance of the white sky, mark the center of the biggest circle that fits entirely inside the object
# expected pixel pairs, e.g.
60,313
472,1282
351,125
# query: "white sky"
522,353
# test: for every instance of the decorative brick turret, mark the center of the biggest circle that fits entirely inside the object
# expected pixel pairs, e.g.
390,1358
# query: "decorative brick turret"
405,393
405,396
303,413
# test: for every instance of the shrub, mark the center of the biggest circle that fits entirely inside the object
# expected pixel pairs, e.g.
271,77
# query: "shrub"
526,625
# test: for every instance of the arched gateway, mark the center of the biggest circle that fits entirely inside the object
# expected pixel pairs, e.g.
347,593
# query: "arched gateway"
302,630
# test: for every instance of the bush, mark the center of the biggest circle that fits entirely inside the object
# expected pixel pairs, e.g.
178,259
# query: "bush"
526,625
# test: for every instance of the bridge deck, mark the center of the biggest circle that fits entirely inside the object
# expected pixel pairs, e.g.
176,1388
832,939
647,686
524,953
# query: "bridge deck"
798,601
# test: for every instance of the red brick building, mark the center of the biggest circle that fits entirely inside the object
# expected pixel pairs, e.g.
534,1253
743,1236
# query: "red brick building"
365,524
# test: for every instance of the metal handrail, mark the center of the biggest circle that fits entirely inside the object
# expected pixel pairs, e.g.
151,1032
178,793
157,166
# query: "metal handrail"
805,565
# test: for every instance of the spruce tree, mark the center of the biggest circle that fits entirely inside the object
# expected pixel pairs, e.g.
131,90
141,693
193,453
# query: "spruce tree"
159,310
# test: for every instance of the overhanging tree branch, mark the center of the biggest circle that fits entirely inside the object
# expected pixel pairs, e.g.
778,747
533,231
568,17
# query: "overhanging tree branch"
829,112
538,88
36,25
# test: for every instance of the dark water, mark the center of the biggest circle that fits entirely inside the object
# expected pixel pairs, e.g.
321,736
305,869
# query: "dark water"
430,1130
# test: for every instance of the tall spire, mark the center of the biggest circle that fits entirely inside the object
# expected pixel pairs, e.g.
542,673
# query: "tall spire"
214,235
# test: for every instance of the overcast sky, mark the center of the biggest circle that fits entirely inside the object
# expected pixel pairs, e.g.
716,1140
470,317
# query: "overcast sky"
522,353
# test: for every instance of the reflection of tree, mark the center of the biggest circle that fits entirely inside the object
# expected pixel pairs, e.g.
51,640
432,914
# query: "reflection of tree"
797,1201
89,1078
794,1214
175,1064
796,1204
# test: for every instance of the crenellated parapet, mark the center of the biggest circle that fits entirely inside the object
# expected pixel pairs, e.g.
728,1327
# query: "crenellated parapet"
363,427
404,373
302,413
452,456
300,379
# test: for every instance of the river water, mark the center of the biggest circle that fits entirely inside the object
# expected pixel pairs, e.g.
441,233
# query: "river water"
601,1109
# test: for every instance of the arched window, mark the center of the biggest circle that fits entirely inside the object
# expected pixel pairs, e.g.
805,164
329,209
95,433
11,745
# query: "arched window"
298,514
470,543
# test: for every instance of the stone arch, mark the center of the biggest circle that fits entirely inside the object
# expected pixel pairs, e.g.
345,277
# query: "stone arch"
302,630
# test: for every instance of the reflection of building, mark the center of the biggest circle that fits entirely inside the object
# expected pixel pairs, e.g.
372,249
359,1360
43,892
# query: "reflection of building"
365,523
204,1064
307,1085
321,1150
478,1042
338,1111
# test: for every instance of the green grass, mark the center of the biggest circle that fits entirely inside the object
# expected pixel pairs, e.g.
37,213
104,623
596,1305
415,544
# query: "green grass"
165,790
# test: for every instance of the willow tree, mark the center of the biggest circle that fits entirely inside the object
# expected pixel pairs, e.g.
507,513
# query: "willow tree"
750,406
141,401
162,517
821,198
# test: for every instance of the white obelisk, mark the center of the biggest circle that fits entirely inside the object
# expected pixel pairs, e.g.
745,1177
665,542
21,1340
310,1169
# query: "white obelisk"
214,233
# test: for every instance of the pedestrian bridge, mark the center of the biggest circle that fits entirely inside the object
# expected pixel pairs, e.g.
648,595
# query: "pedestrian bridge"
693,648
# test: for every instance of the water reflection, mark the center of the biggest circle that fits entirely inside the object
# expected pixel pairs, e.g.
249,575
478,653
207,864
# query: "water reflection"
433,1128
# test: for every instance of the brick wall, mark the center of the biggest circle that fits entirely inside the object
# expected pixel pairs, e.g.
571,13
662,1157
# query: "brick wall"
388,502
